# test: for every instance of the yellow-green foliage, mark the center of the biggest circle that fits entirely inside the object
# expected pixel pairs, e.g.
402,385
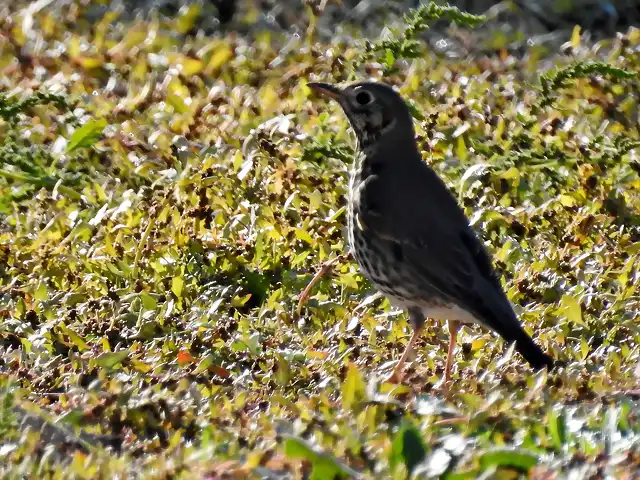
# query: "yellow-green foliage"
164,199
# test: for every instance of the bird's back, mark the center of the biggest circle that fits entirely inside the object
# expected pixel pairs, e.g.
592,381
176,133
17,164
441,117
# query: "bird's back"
416,245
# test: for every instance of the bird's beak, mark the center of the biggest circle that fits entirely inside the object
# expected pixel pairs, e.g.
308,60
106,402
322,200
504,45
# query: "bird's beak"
326,90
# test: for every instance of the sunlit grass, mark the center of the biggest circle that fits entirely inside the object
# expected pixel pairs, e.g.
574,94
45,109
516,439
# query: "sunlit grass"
160,216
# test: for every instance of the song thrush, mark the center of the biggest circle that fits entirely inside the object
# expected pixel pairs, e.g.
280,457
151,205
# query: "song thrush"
408,234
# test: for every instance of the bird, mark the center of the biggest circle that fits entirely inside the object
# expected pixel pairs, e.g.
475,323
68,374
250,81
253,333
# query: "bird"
408,234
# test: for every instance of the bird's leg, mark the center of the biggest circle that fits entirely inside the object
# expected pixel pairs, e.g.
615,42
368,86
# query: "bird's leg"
443,385
453,337
397,374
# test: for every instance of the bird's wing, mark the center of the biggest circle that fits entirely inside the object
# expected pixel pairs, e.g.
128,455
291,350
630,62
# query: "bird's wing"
421,217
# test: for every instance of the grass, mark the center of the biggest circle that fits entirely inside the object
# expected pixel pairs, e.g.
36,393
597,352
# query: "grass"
166,197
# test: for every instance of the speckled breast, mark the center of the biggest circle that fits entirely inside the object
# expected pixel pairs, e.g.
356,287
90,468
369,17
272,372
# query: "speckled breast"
374,254
367,250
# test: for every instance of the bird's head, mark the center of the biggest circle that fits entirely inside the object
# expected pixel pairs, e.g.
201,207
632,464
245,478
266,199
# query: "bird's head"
375,110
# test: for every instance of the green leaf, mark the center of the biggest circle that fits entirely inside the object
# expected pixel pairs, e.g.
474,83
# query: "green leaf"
283,372
324,466
148,301
415,111
584,348
519,459
557,427
408,447
572,309
353,387
75,417
253,343
304,236
77,340
567,200
177,102
575,37
187,18
41,293
141,366
471,174
389,58
87,135
26,345
297,448
177,286
461,149
111,359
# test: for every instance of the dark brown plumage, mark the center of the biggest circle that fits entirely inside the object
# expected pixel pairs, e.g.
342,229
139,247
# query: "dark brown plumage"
407,232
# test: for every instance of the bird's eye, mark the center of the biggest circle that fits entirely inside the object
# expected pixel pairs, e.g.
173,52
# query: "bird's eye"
364,98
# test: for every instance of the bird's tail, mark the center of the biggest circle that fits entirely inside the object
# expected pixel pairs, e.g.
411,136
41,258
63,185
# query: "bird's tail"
504,321
530,351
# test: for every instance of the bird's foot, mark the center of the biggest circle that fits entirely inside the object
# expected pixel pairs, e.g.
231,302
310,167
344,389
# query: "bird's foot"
443,387
396,377
393,378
